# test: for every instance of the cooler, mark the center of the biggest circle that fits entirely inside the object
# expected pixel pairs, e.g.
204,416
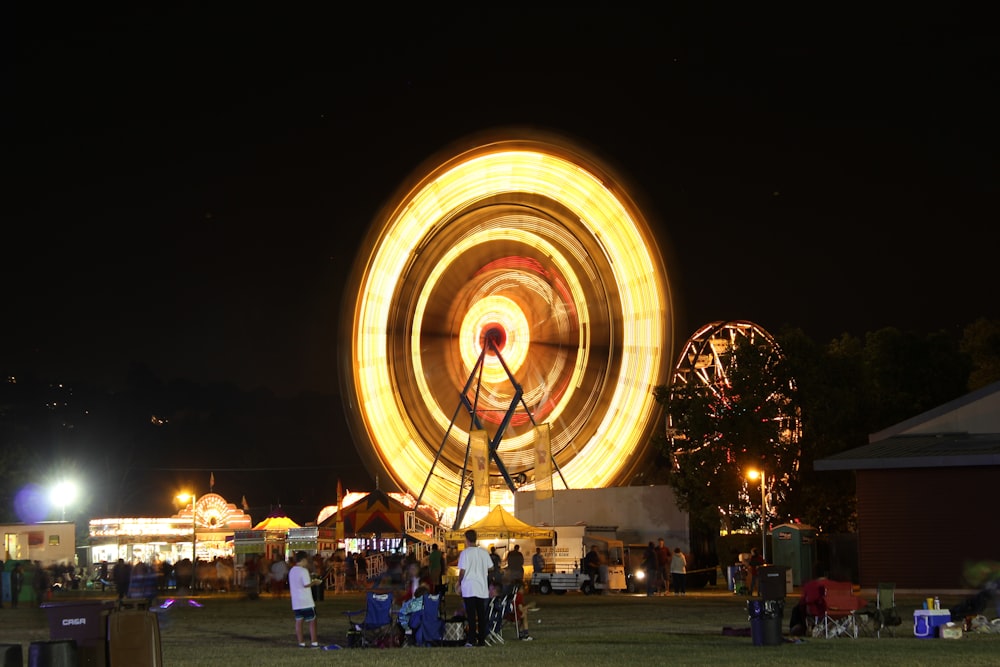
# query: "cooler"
927,621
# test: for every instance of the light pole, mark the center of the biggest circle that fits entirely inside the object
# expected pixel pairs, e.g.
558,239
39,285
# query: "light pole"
752,475
194,535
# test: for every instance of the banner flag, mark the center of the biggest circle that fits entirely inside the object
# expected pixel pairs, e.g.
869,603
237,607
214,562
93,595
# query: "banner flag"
339,525
246,507
479,445
211,481
543,463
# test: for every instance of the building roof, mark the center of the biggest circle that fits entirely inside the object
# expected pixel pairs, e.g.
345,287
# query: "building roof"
962,432
976,412
942,450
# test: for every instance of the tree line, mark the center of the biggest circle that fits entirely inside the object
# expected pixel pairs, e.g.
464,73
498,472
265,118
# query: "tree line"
839,392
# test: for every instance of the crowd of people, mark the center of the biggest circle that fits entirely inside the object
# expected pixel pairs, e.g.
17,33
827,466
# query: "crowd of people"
484,579
33,580
665,570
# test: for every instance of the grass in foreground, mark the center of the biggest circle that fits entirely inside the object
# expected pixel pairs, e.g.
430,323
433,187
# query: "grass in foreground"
570,629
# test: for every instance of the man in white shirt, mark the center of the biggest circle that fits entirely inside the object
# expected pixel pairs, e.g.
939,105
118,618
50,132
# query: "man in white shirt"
473,584
300,583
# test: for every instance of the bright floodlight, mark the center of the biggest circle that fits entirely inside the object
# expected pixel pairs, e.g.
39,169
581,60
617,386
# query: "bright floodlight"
63,494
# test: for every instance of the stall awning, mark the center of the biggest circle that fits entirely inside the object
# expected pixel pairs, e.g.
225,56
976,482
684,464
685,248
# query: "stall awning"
500,524
249,541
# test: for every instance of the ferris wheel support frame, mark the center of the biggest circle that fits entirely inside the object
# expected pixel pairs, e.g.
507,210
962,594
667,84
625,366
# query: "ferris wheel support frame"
494,443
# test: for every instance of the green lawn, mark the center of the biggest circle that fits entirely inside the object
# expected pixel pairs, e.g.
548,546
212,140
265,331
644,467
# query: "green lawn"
570,629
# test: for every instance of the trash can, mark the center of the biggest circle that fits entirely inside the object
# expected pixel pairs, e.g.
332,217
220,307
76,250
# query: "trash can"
55,653
11,655
765,621
134,636
85,622
772,582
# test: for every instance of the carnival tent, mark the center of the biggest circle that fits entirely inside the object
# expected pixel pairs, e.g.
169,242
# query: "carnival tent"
276,520
500,524
376,514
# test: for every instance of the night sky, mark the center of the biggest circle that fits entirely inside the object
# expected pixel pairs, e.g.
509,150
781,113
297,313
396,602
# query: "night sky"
187,190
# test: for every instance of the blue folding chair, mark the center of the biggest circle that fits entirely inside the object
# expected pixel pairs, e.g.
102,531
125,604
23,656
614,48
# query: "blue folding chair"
428,622
378,628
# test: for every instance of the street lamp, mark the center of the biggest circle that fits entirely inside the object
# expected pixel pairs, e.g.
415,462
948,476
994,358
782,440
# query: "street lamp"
62,494
184,497
752,475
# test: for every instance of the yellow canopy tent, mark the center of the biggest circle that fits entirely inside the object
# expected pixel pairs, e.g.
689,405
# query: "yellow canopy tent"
500,524
275,528
276,522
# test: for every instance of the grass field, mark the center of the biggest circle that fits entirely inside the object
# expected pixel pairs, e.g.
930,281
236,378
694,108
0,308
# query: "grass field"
570,629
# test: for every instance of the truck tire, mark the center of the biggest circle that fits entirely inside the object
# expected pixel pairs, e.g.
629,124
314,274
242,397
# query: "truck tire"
587,588
544,586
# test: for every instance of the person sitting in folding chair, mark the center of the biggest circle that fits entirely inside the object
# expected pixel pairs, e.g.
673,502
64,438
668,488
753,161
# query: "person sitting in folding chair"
810,608
428,622
518,614
409,607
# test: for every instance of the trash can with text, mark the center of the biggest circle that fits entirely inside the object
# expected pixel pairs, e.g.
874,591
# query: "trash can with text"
86,623
772,584
765,621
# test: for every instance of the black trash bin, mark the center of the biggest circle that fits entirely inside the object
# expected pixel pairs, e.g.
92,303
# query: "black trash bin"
55,653
11,655
772,582
765,621
85,622
766,631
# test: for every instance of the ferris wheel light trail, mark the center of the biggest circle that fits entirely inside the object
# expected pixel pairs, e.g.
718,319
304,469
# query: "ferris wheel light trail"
504,300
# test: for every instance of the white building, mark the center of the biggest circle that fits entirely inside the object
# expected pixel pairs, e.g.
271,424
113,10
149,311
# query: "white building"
49,542
639,514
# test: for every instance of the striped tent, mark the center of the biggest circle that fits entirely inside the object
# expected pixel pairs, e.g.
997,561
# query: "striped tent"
375,514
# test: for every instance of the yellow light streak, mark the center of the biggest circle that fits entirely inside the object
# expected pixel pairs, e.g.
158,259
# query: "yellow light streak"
524,171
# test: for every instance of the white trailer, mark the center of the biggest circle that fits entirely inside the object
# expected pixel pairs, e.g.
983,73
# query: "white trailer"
48,542
566,558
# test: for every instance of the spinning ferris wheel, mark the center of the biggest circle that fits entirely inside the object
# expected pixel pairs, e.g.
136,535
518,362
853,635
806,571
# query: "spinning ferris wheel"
520,261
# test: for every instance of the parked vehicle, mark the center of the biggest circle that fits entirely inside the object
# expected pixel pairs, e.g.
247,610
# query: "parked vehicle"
612,577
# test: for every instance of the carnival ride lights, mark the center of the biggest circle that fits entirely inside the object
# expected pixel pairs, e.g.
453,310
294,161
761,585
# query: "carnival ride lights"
708,366
533,244
707,363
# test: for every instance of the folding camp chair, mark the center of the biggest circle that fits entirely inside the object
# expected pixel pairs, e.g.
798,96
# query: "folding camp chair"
428,622
840,616
501,608
886,615
378,627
